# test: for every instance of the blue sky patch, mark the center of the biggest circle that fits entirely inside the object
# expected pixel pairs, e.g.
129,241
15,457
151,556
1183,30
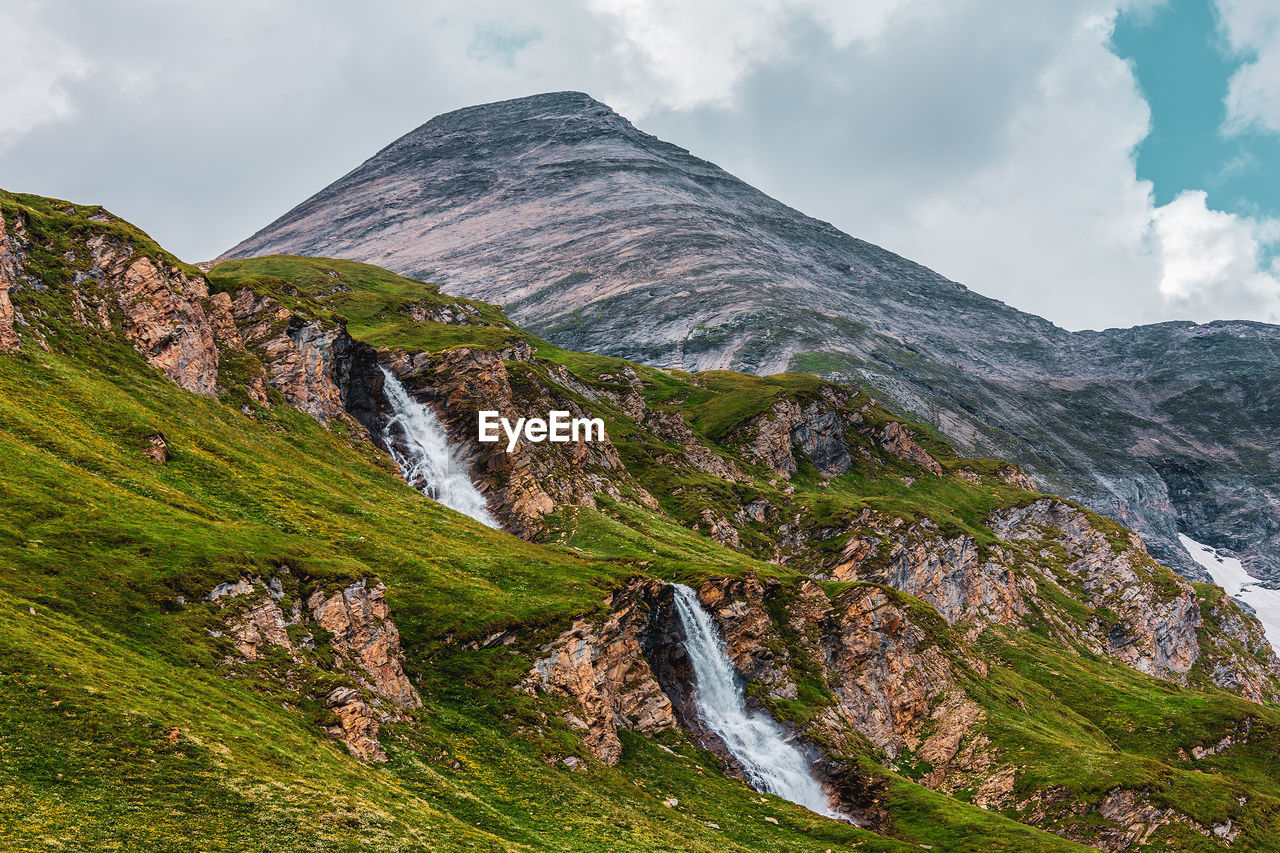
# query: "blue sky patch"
1184,66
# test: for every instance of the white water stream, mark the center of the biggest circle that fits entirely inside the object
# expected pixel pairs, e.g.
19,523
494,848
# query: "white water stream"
430,464
770,763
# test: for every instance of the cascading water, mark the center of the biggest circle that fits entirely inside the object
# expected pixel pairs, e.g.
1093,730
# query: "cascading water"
429,463
769,762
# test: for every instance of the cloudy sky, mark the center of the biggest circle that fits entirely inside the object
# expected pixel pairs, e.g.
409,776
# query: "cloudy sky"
1100,163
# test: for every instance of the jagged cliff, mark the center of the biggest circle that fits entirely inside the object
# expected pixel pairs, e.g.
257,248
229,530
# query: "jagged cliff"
616,242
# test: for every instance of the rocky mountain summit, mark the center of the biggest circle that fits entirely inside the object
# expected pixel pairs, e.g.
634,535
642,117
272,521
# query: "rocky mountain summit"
603,238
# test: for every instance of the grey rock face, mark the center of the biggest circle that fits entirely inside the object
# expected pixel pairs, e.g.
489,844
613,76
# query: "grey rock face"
603,238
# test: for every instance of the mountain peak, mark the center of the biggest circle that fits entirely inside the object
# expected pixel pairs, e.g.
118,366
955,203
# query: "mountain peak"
565,104
563,117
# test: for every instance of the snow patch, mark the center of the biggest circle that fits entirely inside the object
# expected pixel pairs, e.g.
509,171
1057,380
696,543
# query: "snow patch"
1228,573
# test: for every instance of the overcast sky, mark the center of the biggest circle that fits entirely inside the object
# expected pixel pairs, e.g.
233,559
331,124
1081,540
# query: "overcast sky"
1098,164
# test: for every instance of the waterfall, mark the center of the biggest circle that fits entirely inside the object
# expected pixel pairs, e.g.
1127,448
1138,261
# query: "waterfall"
769,762
428,462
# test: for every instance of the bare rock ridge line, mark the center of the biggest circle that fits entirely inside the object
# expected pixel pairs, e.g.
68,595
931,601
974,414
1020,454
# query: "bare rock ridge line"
603,238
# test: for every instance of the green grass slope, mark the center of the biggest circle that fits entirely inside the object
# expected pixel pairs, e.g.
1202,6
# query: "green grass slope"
122,728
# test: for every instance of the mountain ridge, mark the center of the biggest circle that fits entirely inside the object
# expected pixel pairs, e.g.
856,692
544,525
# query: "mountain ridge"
600,237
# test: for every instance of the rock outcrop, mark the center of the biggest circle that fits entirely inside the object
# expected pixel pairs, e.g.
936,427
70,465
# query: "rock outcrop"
817,429
108,285
9,318
359,621
771,438
1146,616
898,440
1235,654
821,431
956,577
162,312
316,366
885,670
157,449
357,725
604,668
362,642
1137,820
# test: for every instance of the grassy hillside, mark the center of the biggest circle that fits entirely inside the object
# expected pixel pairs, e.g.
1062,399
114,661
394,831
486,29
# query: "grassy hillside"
123,726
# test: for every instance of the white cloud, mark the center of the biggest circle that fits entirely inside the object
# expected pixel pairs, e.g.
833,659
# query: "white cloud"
1004,157
37,65
1058,223
992,141
680,55
1210,260
1252,28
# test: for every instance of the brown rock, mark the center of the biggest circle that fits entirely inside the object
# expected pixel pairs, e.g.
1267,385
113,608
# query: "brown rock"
9,271
738,607
357,726
604,668
222,311
360,621
818,429
950,575
299,356
163,313
847,566
1014,476
995,791
720,529
954,718
1136,820
883,669
771,438
363,634
262,624
898,440
157,449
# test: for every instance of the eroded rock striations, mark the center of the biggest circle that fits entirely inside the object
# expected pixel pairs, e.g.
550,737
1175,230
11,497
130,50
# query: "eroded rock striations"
315,365
164,313
604,668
